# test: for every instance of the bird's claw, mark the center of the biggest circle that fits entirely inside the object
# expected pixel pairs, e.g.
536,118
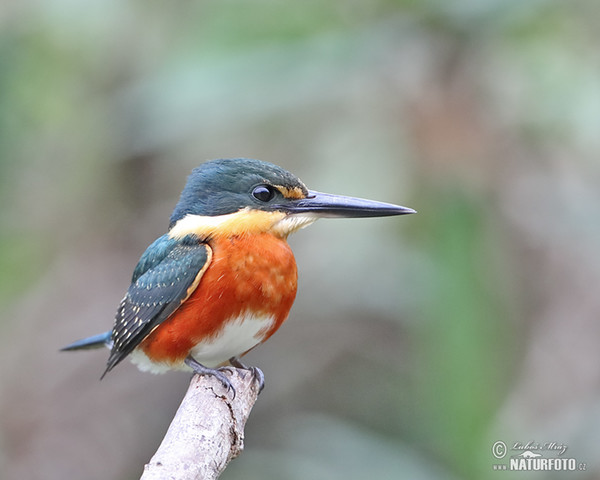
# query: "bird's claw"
200,369
256,372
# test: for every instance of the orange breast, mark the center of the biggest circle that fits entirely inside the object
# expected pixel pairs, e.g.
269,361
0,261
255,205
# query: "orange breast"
253,274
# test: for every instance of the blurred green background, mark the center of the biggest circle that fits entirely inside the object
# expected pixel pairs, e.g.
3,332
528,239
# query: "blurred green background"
416,342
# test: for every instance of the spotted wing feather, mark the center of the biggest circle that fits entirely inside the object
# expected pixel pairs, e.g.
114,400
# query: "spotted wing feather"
167,274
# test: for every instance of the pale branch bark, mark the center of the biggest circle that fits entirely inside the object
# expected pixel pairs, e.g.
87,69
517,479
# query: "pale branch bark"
207,430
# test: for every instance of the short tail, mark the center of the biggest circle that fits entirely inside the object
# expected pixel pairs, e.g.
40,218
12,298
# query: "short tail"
96,341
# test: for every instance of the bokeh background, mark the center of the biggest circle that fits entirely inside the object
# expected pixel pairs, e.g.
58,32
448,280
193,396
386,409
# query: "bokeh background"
415,342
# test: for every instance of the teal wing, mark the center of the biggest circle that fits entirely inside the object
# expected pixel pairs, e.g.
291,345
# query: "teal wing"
166,275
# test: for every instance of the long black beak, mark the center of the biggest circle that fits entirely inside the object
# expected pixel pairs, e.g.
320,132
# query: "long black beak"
328,205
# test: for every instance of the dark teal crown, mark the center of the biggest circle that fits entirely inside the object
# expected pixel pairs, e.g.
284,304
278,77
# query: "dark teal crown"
225,186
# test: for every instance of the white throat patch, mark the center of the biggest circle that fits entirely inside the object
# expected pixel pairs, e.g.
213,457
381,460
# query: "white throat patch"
242,222
292,223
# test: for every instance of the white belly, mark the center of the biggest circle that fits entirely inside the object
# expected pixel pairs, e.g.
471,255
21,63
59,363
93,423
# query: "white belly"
237,337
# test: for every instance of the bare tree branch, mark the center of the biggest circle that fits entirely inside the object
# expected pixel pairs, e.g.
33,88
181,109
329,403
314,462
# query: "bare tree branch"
207,430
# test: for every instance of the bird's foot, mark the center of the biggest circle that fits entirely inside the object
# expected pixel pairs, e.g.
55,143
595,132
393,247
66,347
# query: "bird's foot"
256,372
200,369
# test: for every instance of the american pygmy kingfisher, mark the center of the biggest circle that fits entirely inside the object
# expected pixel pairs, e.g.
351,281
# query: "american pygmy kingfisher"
223,278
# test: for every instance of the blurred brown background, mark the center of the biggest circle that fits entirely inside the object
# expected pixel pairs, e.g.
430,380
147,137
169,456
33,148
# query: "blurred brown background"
415,343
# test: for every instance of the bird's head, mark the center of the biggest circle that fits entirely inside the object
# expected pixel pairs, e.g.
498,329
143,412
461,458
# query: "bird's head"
237,196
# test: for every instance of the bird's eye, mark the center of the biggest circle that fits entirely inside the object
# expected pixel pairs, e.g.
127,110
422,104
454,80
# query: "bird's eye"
264,193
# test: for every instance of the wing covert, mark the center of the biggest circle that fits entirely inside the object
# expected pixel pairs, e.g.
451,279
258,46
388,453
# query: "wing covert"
157,291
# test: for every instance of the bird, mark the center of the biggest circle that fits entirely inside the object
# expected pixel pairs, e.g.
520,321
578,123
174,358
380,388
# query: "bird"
223,278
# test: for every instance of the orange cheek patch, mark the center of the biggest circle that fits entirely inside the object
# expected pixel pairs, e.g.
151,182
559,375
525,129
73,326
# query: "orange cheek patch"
295,193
